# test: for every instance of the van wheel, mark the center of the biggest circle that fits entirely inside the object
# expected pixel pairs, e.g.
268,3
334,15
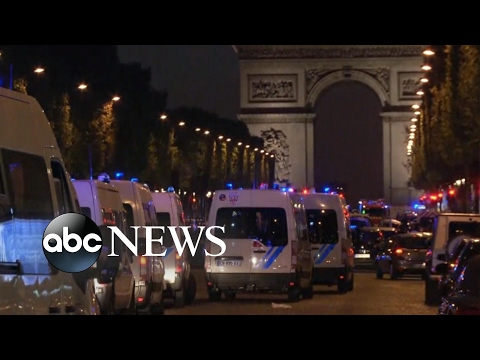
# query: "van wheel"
308,292
393,273
132,308
294,294
158,308
191,290
351,283
432,296
214,295
342,286
179,300
230,295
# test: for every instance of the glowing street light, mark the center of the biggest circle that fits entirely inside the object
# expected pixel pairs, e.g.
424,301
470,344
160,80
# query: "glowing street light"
39,70
82,86
116,98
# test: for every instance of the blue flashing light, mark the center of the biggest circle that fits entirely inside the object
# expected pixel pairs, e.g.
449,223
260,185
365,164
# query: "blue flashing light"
104,178
134,179
229,186
72,179
171,189
277,187
119,175
327,189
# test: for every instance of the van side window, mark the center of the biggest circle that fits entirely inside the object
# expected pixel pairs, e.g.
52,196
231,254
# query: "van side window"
322,226
151,220
267,225
129,221
28,179
62,190
31,200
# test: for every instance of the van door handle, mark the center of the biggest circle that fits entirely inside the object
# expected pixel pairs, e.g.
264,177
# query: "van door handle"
259,251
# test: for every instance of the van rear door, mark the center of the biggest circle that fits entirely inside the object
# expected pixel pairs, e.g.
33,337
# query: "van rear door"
256,240
324,236
236,258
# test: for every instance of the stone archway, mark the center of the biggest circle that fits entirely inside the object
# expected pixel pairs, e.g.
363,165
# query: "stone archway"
280,85
378,84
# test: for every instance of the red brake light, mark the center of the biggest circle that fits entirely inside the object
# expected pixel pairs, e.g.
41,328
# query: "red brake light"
178,263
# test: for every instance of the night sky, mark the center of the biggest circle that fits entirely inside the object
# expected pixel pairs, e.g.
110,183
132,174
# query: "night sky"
204,76
348,128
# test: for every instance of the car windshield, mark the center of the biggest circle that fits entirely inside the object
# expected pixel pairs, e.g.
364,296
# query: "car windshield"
414,242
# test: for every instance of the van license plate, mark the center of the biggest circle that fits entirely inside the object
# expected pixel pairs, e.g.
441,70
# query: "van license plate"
362,256
229,263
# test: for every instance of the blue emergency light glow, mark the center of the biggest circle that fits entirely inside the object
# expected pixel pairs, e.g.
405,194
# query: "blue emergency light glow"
327,189
171,189
229,186
134,179
119,175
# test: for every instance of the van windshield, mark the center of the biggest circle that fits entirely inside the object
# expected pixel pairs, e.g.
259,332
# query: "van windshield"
322,226
267,225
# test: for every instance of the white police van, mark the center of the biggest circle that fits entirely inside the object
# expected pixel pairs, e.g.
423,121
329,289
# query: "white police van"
180,285
331,239
115,286
267,247
34,189
149,271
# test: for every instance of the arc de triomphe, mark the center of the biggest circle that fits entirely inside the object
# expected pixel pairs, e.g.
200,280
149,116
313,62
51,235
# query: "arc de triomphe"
281,84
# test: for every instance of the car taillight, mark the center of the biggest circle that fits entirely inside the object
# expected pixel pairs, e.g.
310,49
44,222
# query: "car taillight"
467,311
398,253
178,263
143,266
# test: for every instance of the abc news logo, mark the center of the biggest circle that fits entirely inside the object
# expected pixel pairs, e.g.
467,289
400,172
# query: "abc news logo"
73,242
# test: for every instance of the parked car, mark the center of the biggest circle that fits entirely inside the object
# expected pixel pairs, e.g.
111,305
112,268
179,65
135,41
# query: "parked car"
402,254
447,228
461,292
366,243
